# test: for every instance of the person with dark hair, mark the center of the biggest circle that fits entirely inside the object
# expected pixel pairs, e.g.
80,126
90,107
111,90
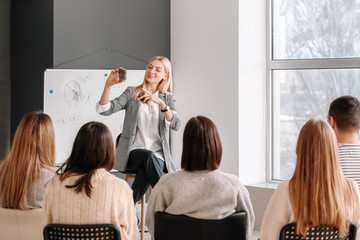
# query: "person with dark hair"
200,190
85,192
344,118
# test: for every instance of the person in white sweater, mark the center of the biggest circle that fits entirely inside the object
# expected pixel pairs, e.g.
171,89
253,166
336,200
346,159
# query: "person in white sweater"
200,190
85,192
318,193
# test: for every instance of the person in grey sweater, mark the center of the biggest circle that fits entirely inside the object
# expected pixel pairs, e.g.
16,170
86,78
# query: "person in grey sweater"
200,190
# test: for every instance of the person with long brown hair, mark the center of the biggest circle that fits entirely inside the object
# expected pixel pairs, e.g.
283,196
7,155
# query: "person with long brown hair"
86,192
318,193
144,145
29,164
200,190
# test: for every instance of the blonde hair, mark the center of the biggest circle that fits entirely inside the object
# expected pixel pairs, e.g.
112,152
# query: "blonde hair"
319,192
165,85
33,148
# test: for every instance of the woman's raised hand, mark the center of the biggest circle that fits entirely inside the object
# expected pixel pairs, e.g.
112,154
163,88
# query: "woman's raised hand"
114,77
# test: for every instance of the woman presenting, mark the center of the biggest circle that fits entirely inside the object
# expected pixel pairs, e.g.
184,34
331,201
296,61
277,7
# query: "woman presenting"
150,113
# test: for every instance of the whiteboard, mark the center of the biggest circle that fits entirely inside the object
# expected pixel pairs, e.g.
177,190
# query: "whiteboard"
70,97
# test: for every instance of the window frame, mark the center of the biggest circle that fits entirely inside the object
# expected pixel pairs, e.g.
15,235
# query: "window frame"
289,64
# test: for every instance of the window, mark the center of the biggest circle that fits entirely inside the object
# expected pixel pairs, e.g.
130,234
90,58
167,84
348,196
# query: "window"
314,50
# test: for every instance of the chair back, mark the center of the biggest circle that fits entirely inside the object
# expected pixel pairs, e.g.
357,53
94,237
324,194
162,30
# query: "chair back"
18,224
320,232
81,232
176,227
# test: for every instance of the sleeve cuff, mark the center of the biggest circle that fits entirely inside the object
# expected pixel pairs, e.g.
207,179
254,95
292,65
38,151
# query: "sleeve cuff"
167,123
102,108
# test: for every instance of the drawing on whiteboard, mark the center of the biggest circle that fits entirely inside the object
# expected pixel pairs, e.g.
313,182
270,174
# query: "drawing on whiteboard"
88,99
72,92
70,97
68,120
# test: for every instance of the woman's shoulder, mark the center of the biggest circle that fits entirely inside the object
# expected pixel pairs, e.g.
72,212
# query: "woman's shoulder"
171,178
106,176
55,180
284,185
172,175
235,180
282,190
49,171
131,88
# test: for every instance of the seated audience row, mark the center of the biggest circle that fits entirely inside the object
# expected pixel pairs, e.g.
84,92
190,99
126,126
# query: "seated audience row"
83,191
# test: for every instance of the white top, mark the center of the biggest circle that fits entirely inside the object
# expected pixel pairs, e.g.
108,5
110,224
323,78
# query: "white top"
147,130
200,194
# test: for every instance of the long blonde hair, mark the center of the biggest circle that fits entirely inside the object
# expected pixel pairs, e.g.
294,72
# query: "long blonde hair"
319,192
165,85
33,148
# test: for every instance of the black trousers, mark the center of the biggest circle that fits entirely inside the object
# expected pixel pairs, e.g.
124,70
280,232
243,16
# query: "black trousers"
148,169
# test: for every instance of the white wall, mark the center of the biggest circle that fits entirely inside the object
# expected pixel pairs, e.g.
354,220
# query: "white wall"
204,55
252,90
219,71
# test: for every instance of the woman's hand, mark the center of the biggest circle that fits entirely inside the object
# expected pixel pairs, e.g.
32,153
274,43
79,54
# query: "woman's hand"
114,77
110,81
148,97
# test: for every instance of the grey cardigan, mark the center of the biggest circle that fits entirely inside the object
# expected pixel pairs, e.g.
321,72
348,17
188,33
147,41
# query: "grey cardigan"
125,101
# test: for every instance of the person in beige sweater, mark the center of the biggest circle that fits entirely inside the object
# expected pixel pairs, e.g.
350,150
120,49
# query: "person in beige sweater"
85,192
318,193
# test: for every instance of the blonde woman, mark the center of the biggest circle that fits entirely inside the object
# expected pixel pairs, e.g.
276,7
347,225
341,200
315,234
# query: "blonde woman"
30,163
318,193
149,115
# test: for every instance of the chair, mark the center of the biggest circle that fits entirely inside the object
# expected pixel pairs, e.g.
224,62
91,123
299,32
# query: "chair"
176,227
81,232
21,224
142,223
321,232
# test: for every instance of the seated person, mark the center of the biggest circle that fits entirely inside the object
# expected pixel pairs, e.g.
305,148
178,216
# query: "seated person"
344,118
318,193
86,192
200,190
29,164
